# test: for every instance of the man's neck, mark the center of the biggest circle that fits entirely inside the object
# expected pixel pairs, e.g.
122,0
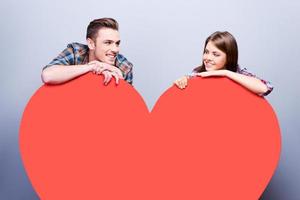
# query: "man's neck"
91,56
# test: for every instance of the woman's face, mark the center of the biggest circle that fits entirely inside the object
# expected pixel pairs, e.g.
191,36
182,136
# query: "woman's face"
213,58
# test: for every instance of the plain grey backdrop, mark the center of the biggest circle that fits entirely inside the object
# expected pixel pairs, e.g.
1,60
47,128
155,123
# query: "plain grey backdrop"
164,40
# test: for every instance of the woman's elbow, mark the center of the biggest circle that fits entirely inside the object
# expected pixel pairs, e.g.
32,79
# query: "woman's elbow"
263,90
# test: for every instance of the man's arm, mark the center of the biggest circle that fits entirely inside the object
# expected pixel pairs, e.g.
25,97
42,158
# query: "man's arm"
64,68
57,74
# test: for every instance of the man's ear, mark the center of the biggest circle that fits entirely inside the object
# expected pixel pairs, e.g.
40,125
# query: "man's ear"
91,44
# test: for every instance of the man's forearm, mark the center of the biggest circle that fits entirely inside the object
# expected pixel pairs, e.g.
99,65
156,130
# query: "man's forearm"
58,74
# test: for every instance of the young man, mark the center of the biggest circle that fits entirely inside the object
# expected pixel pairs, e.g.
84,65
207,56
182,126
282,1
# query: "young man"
100,56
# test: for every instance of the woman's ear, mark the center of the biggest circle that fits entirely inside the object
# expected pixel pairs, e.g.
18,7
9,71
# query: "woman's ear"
91,44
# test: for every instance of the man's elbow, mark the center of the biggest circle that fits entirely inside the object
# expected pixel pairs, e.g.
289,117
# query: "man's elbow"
46,76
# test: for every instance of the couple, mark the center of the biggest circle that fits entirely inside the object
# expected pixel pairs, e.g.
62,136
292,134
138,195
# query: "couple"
101,56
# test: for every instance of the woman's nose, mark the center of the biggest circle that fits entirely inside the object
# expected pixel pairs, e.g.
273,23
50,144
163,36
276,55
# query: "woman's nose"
207,57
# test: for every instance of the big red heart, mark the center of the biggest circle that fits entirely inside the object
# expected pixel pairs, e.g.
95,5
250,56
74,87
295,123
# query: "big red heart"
213,140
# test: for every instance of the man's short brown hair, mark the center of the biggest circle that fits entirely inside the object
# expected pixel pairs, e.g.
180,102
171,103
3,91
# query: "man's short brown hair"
97,24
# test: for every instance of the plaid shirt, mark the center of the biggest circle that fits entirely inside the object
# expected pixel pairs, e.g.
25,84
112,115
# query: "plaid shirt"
246,73
78,54
267,83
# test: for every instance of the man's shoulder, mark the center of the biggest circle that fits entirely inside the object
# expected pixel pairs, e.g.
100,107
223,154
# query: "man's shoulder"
78,47
121,58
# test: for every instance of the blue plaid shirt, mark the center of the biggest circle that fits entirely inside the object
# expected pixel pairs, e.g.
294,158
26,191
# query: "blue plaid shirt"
78,54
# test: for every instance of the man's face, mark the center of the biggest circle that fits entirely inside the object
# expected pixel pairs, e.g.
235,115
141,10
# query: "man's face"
106,46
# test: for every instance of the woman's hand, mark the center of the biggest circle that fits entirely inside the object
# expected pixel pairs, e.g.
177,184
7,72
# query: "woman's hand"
181,82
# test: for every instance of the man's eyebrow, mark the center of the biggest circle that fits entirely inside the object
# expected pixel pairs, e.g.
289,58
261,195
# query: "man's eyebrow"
112,41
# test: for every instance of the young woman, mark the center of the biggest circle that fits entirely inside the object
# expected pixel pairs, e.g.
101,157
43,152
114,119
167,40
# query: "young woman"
220,58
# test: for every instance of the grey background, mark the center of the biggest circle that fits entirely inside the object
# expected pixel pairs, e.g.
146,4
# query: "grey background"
164,40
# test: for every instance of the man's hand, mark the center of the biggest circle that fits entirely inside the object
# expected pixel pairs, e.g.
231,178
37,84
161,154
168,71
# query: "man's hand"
107,70
108,75
98,67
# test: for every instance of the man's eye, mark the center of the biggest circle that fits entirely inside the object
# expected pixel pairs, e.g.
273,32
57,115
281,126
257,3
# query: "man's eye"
107,42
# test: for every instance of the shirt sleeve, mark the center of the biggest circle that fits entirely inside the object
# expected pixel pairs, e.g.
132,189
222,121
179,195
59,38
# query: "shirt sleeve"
245,72
126,67
66,57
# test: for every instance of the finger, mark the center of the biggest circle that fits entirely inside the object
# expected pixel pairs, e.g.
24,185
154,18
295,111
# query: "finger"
183,86
119,73
103,67
98,72
184,82
180,85
175,82
105,77
108,79
116,77
101,70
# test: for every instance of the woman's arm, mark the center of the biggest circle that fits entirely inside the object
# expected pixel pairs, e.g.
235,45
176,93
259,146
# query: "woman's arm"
252,83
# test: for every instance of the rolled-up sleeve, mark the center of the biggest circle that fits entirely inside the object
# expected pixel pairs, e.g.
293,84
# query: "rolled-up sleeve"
244,71
66,57
126,67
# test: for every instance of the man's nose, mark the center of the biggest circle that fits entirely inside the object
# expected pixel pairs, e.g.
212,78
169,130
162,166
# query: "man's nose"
115,48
